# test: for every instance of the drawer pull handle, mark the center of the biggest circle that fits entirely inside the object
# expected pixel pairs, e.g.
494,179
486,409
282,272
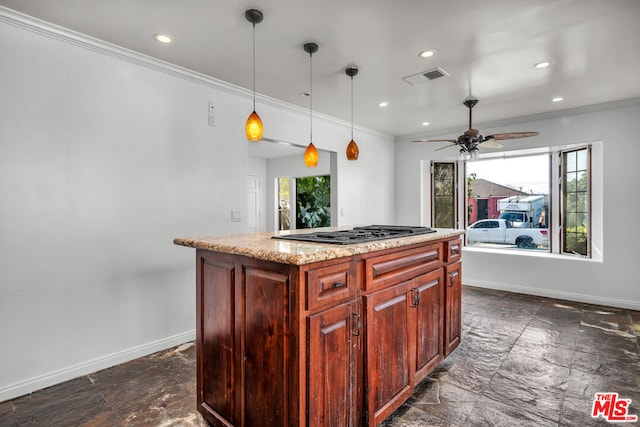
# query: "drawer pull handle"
455,251
337,285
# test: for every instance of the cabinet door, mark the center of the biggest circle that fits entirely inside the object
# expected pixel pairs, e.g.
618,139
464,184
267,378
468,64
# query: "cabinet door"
390,361
266,329
453,304
218,367
429,296
334,351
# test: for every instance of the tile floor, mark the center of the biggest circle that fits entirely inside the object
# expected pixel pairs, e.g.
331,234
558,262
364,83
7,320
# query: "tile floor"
523,361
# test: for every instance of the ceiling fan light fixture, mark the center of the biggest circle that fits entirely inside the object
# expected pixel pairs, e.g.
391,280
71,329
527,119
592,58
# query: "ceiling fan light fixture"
254,127
471,138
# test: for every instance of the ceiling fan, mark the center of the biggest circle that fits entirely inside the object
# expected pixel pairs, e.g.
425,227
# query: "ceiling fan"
471,138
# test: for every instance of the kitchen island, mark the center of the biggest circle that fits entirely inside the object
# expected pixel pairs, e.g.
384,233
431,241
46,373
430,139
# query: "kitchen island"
304,334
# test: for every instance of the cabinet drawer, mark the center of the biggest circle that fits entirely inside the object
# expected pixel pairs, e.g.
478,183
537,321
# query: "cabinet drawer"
453,250
331,284
399,266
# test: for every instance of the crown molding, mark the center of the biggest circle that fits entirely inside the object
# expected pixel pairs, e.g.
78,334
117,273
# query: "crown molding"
48,29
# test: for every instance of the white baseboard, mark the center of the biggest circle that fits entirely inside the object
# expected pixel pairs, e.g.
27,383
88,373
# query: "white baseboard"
30,385
568,296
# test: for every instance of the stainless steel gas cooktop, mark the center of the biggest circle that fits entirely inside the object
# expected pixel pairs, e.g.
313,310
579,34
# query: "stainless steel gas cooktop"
358,234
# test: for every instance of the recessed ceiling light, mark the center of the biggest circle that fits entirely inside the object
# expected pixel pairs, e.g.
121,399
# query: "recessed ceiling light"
425,123
540,65
383,104
427,53
558,99
304,93
163,38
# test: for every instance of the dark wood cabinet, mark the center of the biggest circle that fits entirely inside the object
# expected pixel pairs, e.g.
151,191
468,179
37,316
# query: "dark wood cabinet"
243,335
339,342
429,312
404,339
453,307
390,356
334,354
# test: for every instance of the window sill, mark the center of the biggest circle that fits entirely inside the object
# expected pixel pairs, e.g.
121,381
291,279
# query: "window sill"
529,253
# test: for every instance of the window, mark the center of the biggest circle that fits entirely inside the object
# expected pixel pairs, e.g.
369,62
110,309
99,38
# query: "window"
514,193
443,195
313,201
515,202
576,202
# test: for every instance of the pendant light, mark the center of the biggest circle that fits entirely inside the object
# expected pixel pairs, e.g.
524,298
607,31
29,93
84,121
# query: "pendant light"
253,127
311,153
352,148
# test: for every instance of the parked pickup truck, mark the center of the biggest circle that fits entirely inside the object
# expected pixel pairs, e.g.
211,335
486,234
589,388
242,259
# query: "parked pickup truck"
503,232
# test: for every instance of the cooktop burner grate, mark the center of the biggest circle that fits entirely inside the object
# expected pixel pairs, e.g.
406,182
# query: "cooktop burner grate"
358,234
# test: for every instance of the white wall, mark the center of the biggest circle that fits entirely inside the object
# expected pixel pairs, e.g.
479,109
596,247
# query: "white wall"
365,187
105,157
611,281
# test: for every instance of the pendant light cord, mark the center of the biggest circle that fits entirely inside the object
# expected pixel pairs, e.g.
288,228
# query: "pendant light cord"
310,98
254,66
352,108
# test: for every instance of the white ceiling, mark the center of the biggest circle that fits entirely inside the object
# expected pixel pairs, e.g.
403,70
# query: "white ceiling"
487,47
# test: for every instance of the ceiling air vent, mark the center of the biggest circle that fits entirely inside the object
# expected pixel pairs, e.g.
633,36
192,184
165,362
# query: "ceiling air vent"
425,76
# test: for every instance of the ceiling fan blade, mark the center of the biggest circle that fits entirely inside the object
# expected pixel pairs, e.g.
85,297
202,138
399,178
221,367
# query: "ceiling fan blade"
446,146
435,140
511,135
490,143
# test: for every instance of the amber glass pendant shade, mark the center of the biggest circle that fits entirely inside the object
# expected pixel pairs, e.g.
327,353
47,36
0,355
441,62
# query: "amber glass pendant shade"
254,128
352,150
311,156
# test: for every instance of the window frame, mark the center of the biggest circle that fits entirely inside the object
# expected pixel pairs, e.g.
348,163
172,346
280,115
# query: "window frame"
455,194
596,199
563,203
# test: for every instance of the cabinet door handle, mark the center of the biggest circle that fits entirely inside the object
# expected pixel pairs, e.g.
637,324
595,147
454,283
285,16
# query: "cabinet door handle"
452,278
356,318
416,297
337,285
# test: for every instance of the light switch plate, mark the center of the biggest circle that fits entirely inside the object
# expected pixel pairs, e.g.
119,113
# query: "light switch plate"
235,216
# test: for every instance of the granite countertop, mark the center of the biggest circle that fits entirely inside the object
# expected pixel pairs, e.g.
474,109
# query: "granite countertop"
262,246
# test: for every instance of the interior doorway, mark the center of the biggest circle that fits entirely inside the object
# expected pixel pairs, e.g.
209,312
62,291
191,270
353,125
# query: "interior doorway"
253,203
